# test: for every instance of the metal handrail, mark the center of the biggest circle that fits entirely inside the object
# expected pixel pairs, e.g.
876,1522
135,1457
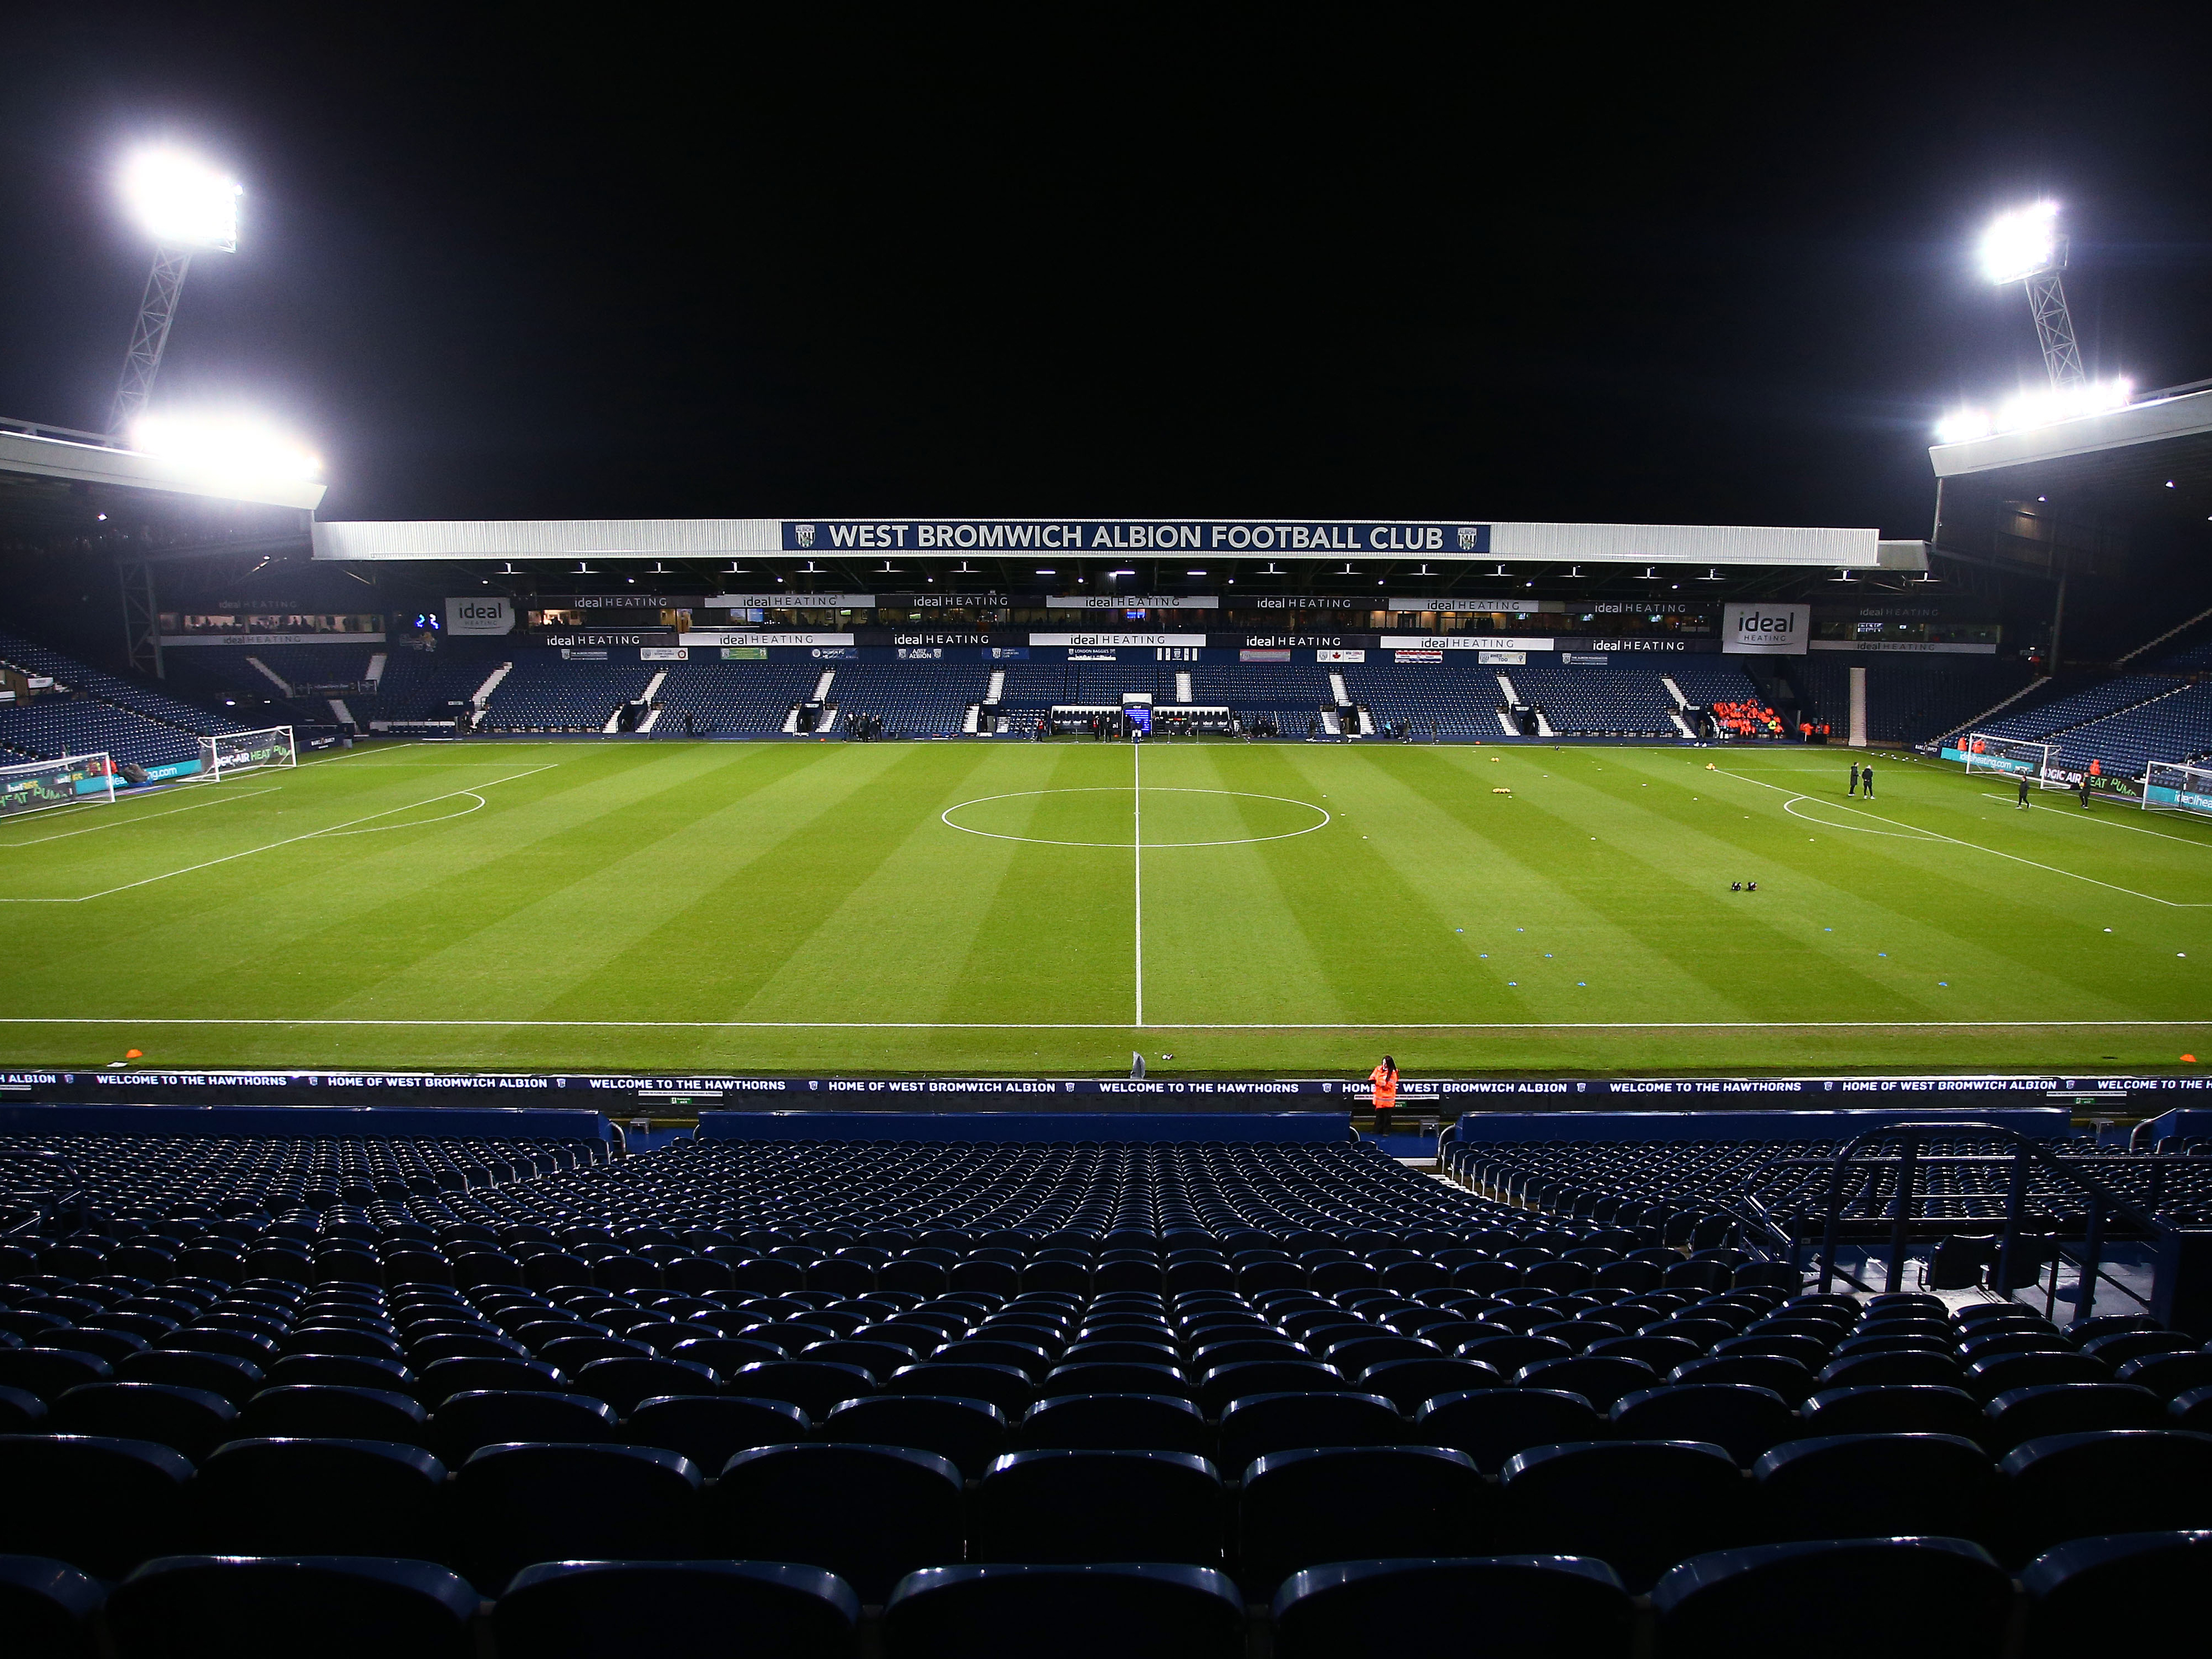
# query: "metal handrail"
2025,1153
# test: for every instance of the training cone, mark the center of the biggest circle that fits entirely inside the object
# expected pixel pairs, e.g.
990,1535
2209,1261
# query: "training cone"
134,1053
2188,1059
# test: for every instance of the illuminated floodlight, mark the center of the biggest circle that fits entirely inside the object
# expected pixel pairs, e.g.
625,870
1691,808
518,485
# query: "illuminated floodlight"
239,449
2021,244
181,201
2033,409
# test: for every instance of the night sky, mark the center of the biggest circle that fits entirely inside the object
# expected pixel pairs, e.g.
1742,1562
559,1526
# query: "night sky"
1117,261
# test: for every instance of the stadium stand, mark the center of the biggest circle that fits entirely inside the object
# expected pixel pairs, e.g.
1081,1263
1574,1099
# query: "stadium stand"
1909,699
420,686
545,692
733,697
1436,698
1592,701
90,710
911,699
1205,1398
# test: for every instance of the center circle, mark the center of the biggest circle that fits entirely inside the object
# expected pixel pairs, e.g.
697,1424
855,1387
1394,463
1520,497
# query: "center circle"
1170,816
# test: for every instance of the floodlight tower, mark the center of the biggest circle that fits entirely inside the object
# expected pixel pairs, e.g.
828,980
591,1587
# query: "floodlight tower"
2024,245
185,206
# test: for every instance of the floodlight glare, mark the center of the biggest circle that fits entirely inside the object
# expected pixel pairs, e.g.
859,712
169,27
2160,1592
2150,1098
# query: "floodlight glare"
2021,244
2033,409
238,447
181,202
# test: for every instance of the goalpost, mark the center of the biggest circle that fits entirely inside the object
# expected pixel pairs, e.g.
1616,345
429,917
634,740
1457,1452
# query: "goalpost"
86,779
2014,756
2173,786
246,751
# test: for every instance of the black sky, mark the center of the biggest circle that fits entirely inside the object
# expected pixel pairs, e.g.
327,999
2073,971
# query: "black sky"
528,262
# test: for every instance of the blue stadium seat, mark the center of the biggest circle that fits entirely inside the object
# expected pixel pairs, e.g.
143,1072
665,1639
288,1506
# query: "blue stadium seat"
330,1411
490,1417
1494,1424
102,1505
318,1497
2066,1486
1638,1505
869,1514
680,1609
968,1433
203,1606
1894,1408
515,1504
1503,1606
712,1429
815,1386
47,1607
1303,1509
1868,1485
1406,1384
1912,1598
1742,1420
2136,1592
1602,1380
1256,1424
1068,1507
1097,1612
1114,1422
2028,1413
192,1420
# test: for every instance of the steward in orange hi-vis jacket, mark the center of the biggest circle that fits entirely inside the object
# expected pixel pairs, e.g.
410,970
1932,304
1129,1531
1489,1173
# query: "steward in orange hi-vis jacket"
1383,1079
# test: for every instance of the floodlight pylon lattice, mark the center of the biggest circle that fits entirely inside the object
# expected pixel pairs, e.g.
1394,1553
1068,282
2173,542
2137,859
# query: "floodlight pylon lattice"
150,335
2054,330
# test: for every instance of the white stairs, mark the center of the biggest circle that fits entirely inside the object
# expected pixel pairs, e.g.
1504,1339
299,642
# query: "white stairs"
1329,724
342,714
373,679
1544,725
1336,690
482,694
1366,722
1182,687
998,690
652,690
1673,691
271,676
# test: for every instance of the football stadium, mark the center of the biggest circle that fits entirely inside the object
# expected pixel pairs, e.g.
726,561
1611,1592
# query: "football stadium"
1255,1085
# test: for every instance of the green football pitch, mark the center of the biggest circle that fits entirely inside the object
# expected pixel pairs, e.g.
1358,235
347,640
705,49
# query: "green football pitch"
1277,909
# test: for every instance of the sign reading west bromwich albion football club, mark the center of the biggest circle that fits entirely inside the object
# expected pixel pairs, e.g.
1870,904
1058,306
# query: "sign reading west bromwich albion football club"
1131,535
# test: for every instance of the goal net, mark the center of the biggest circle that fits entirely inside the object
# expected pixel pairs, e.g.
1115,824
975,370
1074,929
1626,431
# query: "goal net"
2170,786
247,751
89,778
2011,756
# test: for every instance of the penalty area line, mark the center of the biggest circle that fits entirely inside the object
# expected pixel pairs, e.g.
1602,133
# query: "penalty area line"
1918,834
138,817
288,840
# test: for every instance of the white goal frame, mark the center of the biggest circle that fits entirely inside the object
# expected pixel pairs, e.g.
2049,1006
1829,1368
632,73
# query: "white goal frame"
246,751
1984,751
2177,786
19,794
